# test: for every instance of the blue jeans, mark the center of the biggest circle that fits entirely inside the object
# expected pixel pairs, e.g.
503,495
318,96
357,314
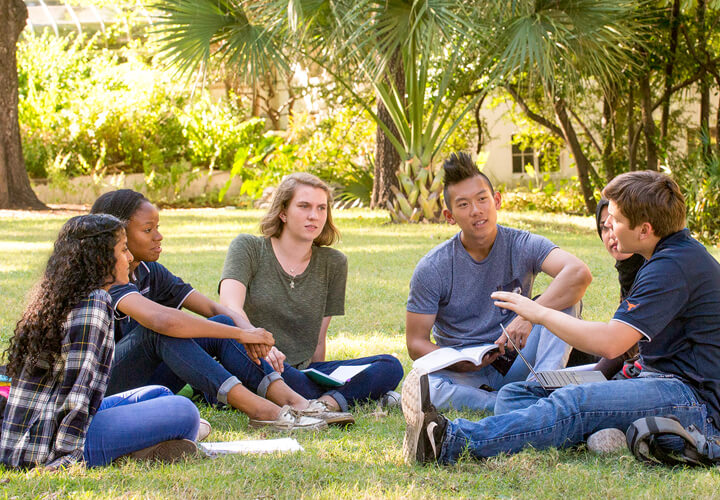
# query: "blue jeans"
526,416
543,350
383,375
137,419
143,357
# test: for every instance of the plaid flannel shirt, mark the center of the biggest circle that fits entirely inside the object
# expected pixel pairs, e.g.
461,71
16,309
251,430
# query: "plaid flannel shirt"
48,413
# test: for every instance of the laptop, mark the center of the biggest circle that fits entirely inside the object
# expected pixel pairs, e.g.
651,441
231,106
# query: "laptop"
554,379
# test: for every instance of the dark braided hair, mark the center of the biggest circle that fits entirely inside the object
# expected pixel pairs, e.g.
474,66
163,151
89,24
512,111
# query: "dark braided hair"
122,203
82,260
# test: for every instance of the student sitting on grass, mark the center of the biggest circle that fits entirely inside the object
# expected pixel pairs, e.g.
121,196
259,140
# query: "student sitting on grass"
155,340
59,360
290,282
627,266
673,309
450,292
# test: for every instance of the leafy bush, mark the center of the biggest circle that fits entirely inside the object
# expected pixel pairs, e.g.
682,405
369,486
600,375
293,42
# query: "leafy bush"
335,146
111,109
544,194
699,180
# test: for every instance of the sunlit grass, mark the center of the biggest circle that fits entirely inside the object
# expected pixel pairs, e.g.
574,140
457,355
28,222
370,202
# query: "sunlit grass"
365,461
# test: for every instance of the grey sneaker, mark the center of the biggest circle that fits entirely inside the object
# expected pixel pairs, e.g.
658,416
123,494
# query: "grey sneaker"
204,430
166,451
607,441
425,429
390,399
319,409
290,420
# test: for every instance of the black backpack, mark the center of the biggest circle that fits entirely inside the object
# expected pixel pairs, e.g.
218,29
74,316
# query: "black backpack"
642,439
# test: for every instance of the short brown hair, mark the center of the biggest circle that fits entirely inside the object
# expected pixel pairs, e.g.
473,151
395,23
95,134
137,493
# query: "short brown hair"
272,226
649,196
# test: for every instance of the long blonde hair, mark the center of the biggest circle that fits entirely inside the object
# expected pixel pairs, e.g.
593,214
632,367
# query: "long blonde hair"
272,226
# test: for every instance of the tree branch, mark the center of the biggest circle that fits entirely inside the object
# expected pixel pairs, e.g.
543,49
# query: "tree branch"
586,130
531,114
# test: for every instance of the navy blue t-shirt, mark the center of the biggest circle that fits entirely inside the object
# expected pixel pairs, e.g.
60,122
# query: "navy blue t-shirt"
153,281
675,304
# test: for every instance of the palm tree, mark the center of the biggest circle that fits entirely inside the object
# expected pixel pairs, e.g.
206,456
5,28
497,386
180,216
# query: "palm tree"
560,42
563,47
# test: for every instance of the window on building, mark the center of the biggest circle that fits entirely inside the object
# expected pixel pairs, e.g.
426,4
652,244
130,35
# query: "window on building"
522,157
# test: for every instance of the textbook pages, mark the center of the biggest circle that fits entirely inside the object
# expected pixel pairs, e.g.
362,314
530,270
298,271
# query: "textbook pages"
337,377
446,356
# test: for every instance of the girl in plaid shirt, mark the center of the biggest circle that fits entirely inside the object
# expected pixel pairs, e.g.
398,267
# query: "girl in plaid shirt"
60,357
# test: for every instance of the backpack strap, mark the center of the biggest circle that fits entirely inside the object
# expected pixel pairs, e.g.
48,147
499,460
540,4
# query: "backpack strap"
642,440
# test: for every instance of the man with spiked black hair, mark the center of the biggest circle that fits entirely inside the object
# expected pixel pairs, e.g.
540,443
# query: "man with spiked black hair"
451,286
672,309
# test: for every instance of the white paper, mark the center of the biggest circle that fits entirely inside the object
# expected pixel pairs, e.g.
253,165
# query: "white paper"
251,446
345,373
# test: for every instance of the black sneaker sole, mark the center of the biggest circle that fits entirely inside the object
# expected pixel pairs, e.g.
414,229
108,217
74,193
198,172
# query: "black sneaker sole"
166,451
415,401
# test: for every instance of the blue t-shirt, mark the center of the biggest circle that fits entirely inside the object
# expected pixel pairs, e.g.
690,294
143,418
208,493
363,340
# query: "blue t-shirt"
153,281
675,304
456,288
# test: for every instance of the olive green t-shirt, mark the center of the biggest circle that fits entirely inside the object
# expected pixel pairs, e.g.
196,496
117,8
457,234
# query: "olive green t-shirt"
293,314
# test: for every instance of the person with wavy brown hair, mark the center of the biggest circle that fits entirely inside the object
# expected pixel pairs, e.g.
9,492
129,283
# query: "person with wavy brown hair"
59,359
290,282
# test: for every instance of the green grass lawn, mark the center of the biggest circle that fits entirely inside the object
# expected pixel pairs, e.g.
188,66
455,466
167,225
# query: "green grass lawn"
364,461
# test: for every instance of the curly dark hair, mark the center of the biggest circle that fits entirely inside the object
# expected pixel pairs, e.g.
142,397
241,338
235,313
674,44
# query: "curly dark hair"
122,203
83,260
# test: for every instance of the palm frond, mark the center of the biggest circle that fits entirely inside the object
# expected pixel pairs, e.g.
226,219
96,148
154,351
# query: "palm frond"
194,31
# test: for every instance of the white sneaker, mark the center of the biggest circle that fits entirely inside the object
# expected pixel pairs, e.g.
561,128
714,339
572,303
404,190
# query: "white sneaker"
290,420
204,430
390,399
607,441
319,409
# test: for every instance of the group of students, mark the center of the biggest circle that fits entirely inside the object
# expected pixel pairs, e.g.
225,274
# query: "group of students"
106,318
666,406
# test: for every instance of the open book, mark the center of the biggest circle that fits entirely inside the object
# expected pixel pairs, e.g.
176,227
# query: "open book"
446,356
339,376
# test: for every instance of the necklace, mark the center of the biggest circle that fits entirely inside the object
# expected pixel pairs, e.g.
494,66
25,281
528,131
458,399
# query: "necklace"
292,277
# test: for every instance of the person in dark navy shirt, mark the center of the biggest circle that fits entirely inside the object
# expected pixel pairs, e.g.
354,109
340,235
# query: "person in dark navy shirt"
159,343
154,282
672,309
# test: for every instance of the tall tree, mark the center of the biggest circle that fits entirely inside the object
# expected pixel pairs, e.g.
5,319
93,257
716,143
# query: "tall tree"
356,42
15,190
387,158
555,51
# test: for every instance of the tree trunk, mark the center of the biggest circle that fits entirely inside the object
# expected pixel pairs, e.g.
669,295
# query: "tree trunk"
631,141
649,128
387,158
15,190
581,160
669,68
704,87
608,152
479,124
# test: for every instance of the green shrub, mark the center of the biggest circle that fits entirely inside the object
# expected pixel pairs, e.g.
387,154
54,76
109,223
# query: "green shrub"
112,109
335,147
561,196
699,180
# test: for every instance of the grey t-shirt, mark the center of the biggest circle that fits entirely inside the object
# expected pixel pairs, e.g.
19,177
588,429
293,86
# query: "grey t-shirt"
449,283
292,314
